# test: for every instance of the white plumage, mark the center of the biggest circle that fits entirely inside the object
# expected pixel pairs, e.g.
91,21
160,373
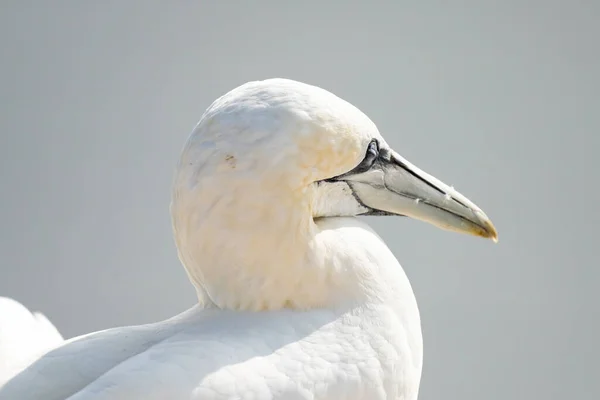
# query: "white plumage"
298,299
24,336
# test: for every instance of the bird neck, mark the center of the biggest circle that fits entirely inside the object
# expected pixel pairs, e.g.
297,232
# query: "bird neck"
267,253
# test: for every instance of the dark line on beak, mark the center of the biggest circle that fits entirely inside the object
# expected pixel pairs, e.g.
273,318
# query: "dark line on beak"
423,201
371,210
425,181
413,173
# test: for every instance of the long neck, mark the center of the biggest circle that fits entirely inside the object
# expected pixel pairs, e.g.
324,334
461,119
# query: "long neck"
257,257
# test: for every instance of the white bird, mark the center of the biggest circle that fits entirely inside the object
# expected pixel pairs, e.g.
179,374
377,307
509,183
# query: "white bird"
24,337
298,299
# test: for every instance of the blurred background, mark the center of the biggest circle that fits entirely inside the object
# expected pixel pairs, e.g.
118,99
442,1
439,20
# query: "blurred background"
499,99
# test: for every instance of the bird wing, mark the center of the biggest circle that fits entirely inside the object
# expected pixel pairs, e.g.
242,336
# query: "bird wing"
24,337
77,363
216,356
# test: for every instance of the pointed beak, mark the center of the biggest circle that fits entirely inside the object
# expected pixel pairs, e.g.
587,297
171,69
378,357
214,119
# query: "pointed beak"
395,186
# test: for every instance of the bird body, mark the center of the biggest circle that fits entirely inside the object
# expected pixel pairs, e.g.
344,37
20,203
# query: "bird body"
207,353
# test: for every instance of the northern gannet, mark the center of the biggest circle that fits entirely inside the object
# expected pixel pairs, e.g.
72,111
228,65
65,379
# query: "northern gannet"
298,298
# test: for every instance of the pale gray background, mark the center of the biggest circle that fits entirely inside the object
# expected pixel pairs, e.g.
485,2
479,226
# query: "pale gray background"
497,98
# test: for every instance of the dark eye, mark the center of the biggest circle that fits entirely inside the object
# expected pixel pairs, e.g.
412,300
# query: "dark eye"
372,154
365,164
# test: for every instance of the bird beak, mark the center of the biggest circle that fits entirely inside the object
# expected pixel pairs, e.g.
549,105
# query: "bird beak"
395,186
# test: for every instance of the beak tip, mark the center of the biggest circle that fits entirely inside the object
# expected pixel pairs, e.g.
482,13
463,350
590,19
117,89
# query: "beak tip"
490,231
485,227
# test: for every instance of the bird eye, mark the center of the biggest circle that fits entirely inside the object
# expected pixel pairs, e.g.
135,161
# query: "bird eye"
372,153
365,164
